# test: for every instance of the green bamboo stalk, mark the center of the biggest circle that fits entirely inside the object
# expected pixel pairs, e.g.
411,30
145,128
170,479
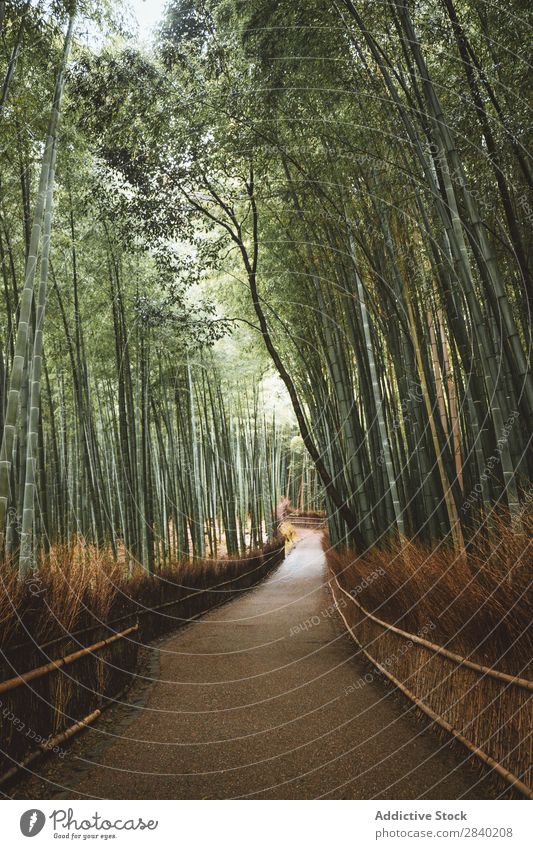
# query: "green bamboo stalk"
6,449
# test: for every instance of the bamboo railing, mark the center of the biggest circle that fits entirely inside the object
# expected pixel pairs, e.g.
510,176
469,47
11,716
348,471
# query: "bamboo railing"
41,709
486,710
306,521
54,665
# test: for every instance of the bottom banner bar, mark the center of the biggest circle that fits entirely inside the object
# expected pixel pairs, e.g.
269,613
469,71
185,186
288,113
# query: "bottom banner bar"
264,824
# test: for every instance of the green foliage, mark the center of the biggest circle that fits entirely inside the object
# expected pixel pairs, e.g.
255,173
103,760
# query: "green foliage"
339,187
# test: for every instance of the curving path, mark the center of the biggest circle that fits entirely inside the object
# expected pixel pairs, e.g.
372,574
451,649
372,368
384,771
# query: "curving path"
248,704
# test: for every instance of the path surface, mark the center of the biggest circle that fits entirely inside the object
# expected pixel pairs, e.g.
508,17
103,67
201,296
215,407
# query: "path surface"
249,705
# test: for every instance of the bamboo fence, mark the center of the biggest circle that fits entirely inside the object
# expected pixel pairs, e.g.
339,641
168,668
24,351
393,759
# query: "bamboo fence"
488,711
42,705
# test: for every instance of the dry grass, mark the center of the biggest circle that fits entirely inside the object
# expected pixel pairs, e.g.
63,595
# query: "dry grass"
308,514
288,531
79,588
76,587
81,596
481,609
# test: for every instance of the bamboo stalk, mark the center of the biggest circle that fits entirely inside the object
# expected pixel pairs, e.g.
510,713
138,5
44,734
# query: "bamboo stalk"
6,449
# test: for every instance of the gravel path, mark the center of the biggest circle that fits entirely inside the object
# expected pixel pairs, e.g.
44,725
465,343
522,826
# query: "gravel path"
248,702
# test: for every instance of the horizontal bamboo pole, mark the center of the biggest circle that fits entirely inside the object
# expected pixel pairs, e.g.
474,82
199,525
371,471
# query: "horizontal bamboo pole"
307,520
40,671
450,655
50,744
504,773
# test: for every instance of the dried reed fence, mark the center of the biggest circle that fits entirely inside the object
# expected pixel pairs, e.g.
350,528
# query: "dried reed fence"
454,637
305,520
285,512
69,637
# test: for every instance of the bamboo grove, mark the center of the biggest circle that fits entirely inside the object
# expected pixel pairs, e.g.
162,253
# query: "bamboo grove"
342,187
121,430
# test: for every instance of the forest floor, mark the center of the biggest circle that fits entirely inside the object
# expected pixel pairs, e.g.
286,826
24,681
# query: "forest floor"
264,697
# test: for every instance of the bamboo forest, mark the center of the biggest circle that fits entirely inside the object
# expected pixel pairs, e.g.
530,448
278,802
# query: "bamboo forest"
266,284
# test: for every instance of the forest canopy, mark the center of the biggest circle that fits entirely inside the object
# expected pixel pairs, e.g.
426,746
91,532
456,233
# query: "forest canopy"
331,198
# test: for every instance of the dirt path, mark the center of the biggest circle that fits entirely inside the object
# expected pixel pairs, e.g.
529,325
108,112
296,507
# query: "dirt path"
248,703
